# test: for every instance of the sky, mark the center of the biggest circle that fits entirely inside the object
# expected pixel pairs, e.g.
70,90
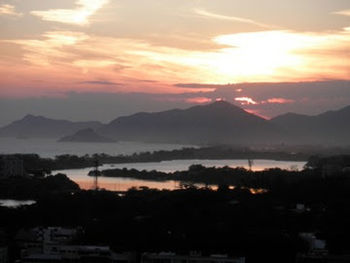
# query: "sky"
107,58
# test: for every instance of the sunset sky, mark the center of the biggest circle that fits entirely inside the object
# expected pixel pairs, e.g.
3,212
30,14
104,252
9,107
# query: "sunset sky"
173,52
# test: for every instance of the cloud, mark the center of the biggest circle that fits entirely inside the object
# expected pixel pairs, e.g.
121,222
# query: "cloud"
49,49
9,10
343,12
280,101
204,87
100,82
78,16
91,103
204,13
264,56
198,100
246,100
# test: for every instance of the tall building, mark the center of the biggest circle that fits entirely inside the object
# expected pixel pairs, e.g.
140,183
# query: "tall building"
3,255
11,166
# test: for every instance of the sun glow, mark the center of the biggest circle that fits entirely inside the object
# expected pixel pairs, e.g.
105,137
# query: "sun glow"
265,56
260,54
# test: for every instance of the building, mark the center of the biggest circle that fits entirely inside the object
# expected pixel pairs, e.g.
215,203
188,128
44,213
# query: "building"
192,258
11,166
3,255
56,244
70,253
317,251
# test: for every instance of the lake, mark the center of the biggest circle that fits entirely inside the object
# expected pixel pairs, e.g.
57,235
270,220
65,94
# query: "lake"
123,184
51,148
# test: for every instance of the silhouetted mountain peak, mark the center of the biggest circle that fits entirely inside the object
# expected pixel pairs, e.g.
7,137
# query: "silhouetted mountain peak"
86,135
217,122
222,104
30,117
220,109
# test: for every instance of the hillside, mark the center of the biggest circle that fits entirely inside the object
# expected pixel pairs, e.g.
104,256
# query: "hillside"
86,135
41,127
220,122
332,127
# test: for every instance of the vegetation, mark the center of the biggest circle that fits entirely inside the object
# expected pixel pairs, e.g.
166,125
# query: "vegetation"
34,163
34,187
263,227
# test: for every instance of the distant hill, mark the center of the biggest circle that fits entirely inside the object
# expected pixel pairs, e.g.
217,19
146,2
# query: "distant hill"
216,123
219,122
40,127
86,135
332,127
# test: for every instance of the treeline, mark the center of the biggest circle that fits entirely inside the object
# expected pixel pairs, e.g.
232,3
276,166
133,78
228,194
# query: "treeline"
335,162
34,187
33,162
36,165
211,153
264,228
271,179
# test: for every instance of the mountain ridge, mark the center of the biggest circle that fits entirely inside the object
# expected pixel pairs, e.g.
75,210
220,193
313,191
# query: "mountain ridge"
217,123
31,126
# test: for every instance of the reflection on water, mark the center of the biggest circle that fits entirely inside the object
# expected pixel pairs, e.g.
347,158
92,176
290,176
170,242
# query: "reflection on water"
15,203
182,165
123,184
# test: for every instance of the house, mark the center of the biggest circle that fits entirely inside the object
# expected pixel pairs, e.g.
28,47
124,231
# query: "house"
11,166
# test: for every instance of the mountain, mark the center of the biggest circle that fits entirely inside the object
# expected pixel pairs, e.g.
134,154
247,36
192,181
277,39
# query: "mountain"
216,123
332,127
219,122
86,135
40,127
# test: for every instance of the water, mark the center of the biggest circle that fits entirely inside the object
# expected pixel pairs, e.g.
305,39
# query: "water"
123,184
15,203
51,148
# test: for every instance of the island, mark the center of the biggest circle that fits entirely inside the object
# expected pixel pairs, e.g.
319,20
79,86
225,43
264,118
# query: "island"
86,135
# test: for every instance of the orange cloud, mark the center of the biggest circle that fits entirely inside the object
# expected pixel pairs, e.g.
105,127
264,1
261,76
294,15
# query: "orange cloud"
246,100
265,56
78,16
9,10
280,101
343,12
199,100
